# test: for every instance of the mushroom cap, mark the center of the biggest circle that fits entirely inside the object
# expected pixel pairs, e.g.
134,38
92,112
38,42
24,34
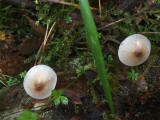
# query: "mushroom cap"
134,50
39,81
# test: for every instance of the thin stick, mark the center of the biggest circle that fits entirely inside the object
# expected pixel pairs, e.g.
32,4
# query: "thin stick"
112,23
3,83
42,43
100,9
67,3
3,76
45,41
149,32
46,38
46,32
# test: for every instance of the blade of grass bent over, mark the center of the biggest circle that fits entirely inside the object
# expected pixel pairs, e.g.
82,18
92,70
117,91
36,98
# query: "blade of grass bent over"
92,37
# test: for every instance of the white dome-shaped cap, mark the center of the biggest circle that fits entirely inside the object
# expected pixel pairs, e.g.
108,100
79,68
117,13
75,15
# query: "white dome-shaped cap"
39,81
134,50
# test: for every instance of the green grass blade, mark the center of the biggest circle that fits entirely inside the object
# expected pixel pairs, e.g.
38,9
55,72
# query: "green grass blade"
92,37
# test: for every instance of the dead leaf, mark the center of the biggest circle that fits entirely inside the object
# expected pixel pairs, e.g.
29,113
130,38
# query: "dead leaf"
29,46
1,70
76,117
143,98
40,31
6,40
12,63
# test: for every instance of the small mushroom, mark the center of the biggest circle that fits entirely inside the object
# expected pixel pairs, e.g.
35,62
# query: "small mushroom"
39,81
134,50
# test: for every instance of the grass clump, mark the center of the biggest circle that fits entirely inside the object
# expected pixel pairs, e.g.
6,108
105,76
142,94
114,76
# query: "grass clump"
92,37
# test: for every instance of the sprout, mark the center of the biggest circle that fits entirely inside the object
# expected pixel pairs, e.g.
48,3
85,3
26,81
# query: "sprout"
39,81
134,50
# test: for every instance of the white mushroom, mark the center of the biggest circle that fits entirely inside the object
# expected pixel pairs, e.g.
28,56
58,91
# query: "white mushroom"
134,50
39,81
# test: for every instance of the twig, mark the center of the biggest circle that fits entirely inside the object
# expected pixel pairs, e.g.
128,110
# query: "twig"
112,40
100,9
149,32
3,76
46,32
47,35
45,41
3,83
112,23
42,43
67,3
155,66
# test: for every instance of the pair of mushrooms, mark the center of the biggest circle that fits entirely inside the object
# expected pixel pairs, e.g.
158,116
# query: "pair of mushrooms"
40,80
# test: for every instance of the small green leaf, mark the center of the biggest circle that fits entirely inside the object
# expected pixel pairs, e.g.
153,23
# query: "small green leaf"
109,59
28,115
118,12
86,67
57,97
99,35
54,93
68,19
57,101
158,2
132,75
78,71
64,100
22,74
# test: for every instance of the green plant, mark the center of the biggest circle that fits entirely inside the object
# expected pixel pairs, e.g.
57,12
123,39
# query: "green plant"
32,58
127,27
43,12
133,75
157,1
99,35
105,117
28,115
48,13
76,108
80,69
147,24
109,59
17,26
92,37
68,19
22,74
57,50
57,97
118,12
12,80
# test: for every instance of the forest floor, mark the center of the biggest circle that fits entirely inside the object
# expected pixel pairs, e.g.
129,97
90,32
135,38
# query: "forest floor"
68,53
